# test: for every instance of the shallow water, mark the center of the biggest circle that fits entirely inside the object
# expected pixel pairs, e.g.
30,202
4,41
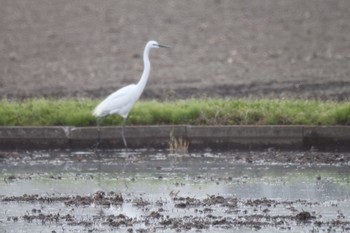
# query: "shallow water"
157,176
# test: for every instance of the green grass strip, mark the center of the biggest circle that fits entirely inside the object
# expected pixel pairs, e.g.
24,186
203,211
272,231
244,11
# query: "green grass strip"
77,112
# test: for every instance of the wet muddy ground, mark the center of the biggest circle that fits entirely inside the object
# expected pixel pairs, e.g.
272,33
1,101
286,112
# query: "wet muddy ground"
157,191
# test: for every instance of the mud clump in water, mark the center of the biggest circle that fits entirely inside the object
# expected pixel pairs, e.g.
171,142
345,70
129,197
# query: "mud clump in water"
97,199
304,216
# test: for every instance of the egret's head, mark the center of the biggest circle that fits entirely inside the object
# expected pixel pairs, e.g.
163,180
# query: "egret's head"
155,44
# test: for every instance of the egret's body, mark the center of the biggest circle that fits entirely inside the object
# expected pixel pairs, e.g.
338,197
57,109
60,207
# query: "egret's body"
122,101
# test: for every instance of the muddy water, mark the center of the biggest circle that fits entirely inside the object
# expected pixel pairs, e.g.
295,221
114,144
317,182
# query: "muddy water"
152,190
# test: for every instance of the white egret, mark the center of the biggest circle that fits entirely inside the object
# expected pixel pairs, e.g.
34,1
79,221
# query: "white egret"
122,101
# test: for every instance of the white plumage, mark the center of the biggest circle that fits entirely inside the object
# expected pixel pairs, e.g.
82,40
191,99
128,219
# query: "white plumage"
119,102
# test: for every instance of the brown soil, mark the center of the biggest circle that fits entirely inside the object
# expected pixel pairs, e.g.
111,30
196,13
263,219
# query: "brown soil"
270,48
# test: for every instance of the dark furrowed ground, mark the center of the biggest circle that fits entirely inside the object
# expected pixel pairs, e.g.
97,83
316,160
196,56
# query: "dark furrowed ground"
271,48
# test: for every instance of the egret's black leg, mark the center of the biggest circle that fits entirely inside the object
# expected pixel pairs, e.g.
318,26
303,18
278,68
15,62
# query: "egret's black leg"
97,144
98,131
123,128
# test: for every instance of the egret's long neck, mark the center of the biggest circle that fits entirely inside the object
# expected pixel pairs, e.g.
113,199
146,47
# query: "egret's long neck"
146,70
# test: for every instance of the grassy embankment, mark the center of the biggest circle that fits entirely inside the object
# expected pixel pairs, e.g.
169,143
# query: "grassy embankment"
77,112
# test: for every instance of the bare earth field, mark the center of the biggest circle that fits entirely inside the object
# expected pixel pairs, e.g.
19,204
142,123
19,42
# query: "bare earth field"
220,48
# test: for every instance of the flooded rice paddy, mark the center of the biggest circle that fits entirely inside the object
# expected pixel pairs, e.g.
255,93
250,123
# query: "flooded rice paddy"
157,191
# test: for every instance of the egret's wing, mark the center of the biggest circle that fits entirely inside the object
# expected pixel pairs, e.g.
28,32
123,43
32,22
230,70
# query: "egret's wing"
119,102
